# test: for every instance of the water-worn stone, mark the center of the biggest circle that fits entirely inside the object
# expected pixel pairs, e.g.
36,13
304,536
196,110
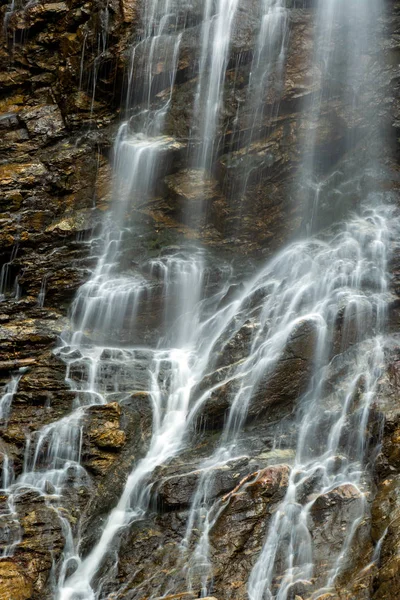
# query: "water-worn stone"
332,516
386,530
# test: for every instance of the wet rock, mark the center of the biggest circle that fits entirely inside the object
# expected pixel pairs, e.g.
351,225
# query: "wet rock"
346,493
292,373
181,596
26,574
44,121
33,14
237,347
44,385
111,469
278,389
13,582
26,174
333,515
386,530
176,491
152,545
240,529
260,157
387,414
130,11
36,516
9,121
103,437
235,540
56,134
191,188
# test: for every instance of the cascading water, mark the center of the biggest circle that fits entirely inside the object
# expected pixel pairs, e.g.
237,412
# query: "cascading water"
266,79
108,305
341,43
336,277
315,281
8,513
216,32
309,284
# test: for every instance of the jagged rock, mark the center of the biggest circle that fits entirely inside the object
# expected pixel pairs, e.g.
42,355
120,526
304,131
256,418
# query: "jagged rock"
241,525
56,135
26,574
44,121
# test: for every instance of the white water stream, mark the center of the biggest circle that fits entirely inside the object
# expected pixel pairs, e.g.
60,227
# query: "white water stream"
214,55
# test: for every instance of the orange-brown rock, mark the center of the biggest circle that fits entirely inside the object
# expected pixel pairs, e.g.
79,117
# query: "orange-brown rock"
103,436
14,585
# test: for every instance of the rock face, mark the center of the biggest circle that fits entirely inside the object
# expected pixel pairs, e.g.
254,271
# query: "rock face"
281,385
63,72
242,525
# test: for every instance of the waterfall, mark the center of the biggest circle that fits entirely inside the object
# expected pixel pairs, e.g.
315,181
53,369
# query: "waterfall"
308,285
12,533
107,304
216,32
163,321
6,275
287,555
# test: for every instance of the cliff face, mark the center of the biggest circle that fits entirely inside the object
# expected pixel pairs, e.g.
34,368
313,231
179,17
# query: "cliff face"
63,81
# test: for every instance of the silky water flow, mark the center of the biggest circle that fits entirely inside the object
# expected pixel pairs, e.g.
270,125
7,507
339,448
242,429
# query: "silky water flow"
339,273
